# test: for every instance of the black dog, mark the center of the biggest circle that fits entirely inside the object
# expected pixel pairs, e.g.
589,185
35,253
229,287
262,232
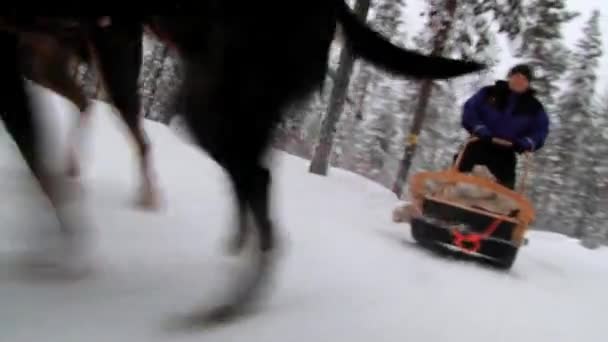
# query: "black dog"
244,66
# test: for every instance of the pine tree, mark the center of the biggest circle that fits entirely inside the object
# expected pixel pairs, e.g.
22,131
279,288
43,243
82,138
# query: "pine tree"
440,21
320,161
595,181
86,77
509,14
386,20
542,47
575,115
442,134
376,99
448,32
472,38
381,132
152,71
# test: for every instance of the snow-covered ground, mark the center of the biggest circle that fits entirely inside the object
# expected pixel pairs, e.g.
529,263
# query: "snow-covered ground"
347,273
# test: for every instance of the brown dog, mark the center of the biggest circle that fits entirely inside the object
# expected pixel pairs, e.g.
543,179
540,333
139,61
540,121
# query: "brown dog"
52,61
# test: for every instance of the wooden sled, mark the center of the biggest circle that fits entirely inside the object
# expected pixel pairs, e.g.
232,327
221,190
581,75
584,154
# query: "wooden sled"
443,215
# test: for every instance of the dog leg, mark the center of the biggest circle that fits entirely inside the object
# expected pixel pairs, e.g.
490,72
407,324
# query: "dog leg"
16,112
118,53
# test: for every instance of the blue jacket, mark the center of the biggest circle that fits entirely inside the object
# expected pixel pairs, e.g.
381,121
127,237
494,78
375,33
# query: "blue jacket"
496,111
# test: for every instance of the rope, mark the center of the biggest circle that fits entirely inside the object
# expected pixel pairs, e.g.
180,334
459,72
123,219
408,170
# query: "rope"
471,243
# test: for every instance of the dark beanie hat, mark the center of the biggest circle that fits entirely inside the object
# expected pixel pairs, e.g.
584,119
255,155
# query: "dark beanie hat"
523,69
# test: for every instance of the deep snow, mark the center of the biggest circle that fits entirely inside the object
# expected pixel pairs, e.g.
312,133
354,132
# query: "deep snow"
346,273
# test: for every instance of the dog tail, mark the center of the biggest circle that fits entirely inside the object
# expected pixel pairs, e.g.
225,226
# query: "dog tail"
371,46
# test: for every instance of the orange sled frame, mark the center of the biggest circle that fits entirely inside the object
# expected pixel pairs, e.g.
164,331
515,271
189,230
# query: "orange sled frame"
445,223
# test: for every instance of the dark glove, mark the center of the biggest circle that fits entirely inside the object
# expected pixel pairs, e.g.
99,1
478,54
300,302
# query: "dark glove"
523,145
484,134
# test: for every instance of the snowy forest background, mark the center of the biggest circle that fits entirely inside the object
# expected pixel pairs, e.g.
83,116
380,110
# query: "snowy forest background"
367,122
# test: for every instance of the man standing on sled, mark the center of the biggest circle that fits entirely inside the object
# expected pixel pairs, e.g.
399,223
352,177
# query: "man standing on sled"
507,110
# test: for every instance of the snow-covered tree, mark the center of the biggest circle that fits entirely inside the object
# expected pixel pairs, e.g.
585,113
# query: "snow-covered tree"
575,116
152,71
458,29
323,150
508,13
542,46
86,78
373,96
165,104
594,183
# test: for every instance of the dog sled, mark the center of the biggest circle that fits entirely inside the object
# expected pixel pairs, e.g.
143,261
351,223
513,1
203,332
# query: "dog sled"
469,213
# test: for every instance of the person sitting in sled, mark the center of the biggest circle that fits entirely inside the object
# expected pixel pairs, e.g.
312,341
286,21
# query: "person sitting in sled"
507,110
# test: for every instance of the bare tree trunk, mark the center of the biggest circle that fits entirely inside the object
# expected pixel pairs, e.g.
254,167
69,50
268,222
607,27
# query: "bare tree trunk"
320,159
365,79
426,90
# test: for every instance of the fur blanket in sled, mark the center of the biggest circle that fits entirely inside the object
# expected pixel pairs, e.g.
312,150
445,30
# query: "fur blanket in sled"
470,195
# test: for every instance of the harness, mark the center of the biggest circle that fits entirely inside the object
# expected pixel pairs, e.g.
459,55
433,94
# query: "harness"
471,242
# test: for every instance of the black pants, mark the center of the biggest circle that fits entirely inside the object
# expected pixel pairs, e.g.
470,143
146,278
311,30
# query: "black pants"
500,160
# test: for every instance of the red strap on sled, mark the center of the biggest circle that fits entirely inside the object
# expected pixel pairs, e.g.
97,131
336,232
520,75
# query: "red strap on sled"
471,242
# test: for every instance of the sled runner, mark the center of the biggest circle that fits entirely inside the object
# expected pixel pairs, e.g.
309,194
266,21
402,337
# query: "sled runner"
470,213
